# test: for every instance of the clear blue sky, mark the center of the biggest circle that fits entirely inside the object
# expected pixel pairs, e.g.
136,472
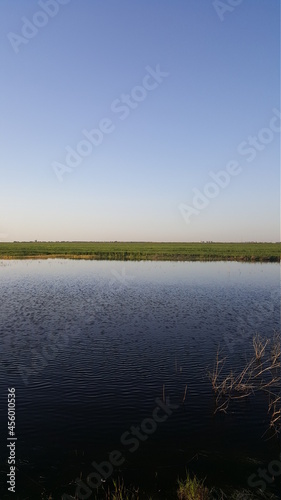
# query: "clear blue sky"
139,177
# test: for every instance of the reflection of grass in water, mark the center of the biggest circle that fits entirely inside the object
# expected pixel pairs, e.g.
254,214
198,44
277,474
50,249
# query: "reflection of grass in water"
247,252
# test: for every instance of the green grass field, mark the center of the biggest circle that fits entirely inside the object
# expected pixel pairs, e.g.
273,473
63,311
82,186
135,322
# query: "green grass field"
248,252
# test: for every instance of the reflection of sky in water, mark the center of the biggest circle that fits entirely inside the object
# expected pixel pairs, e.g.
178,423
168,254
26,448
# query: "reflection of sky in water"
180,306
230,300
89,345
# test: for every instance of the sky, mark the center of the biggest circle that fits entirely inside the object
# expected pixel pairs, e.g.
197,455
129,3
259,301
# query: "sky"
148,120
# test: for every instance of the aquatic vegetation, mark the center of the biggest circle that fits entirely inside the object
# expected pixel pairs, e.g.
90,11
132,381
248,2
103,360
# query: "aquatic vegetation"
192,489
276,348
121,492
260,374
259,345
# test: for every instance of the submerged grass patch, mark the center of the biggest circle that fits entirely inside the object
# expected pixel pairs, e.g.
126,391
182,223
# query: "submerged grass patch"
187,489
192,489
261,374
245,252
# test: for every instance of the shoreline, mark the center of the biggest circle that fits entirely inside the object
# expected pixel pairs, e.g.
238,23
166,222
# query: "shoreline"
245,260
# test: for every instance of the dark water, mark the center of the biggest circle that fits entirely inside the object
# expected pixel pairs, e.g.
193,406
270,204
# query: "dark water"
89,345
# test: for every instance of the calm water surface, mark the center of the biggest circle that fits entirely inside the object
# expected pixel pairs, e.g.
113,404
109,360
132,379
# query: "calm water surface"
88,345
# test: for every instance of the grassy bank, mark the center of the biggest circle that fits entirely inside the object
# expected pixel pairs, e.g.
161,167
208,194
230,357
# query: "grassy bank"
247,252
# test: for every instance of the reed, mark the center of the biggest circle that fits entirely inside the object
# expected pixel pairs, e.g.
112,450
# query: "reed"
260,374
259,346
215,374
276,348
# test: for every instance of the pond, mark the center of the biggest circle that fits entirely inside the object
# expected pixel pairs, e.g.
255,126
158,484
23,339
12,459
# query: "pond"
110,364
